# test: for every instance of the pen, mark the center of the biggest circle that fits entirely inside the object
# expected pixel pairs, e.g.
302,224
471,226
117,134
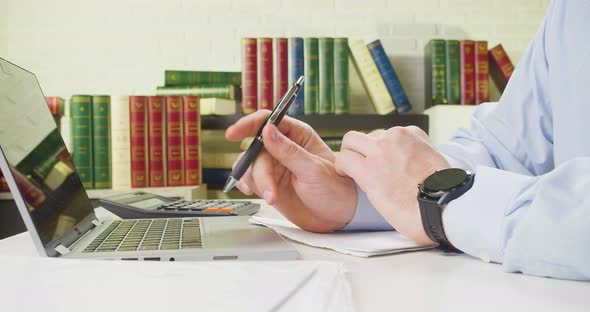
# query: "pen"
275,118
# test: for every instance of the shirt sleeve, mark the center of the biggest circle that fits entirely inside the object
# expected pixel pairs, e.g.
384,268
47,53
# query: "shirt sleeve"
366,217
522,211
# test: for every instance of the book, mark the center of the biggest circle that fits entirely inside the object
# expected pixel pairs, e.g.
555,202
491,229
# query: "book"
57,175
311,69
101,141
501,67
215,178
264,74
226,91
280,68
215,106
56,104
452,71
192,140
120,142
187,78
174,141
138,139
467,53
33,195
370,77
3,184
296,70
220,160
390,78
341,89
156,112
249,76
81,135
482,70
326,81
435,73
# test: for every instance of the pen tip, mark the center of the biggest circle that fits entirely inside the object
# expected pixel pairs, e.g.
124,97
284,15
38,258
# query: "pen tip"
229,184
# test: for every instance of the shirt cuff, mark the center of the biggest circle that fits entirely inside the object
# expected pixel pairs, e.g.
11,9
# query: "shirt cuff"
366,217
474,222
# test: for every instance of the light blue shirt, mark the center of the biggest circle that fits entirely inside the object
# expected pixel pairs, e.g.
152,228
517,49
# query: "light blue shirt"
529,207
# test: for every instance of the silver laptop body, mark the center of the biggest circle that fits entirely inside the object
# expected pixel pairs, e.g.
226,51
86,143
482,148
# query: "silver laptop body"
58,214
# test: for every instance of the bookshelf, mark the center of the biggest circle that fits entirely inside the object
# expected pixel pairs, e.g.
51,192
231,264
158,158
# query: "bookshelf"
357,122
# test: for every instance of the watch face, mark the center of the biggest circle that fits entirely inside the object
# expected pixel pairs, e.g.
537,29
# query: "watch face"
445,180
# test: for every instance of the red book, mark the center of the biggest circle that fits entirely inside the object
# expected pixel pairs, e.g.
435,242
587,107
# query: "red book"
192,144
501,67
156,115
33,195
280,78
3,184
175,153
56,105
265,84
139,140
249,85
482,70
467,54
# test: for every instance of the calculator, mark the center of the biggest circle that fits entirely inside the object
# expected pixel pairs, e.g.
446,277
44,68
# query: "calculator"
140,205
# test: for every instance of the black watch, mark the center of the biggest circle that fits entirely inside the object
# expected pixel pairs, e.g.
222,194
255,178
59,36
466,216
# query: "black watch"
433,196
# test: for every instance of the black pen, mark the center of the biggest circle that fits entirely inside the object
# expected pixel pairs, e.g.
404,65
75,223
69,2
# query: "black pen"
275,118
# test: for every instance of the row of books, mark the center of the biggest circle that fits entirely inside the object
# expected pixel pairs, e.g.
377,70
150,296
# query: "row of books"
457,72
205,84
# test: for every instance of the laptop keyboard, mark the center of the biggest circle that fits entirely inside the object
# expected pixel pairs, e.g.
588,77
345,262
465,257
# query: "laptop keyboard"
148,234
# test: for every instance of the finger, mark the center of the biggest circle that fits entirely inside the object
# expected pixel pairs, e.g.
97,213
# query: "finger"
359,142
294,157
263,177
377,133
352,164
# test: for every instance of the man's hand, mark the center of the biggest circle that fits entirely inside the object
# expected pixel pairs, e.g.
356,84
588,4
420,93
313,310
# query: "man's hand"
295,173
388,165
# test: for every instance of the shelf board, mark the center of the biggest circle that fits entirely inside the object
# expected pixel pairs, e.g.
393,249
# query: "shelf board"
356,122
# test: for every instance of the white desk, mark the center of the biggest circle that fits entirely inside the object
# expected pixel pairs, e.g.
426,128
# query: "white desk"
426,281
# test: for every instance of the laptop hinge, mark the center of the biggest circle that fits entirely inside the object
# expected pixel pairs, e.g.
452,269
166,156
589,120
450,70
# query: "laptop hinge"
62,250
96,222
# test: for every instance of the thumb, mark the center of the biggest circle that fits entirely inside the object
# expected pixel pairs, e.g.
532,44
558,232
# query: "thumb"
294,157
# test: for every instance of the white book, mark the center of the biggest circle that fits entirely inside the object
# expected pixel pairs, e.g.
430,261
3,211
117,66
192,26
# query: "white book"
217,106
120,143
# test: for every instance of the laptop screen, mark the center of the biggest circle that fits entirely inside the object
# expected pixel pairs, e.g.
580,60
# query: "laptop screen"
38,159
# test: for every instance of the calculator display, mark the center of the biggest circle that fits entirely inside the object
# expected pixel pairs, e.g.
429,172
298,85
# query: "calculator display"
147,203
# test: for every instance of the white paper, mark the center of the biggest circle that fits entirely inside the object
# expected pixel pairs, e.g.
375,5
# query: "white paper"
361,244
49,284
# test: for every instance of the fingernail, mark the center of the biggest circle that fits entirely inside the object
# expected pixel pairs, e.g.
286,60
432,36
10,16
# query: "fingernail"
243,187
267,196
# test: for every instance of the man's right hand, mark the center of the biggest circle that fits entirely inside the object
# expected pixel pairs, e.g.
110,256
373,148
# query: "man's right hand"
295,173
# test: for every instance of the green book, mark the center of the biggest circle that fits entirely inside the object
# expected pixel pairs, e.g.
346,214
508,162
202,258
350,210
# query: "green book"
341,95
452,65
187,78
326,61
435,80
311,72
101,139
81,135
221,91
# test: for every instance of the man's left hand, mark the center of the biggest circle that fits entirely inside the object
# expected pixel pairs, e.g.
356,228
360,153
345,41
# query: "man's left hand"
388,165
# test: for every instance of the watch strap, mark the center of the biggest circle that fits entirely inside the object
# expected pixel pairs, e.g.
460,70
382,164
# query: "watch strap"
432,221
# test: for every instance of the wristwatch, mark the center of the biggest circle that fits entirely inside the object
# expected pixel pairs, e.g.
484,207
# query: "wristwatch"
434,194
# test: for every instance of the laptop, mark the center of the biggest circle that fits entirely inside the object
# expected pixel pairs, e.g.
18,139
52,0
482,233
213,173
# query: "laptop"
57,212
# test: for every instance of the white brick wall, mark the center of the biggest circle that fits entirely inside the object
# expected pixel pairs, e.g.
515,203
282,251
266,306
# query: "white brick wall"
123,46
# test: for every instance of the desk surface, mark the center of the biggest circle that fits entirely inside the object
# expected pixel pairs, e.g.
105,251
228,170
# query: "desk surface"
425,281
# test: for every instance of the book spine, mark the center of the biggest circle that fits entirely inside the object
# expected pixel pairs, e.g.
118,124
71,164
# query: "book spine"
138,141
390,78
435,67
81,135
341,89
370,77
296,66
249,72
174,148
101,136
120,143
223,91
482,70
326,62
311,69
184,77
56,105
280,68
265,82
32,194
215,178
220,160
156,139
453,72
192,140
501,67
467,53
